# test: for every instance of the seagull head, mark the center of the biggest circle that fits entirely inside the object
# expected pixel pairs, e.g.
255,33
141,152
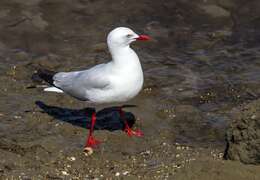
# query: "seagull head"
123,37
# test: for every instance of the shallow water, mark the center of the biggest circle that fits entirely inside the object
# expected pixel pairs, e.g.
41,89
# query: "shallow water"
197,68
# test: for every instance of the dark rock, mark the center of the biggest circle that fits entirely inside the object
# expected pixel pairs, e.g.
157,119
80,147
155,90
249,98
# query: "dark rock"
243,136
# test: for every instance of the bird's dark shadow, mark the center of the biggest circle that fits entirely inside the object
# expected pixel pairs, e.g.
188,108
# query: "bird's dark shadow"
107,118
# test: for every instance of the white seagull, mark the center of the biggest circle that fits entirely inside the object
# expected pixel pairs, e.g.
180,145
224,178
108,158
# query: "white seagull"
116,81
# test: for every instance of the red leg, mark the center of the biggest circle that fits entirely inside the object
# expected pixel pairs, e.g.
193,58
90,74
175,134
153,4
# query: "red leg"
127,129
91,141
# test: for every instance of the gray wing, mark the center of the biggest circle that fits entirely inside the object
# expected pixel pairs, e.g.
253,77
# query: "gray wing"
78,83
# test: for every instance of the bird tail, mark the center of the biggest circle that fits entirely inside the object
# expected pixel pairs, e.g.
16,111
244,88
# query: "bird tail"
47,76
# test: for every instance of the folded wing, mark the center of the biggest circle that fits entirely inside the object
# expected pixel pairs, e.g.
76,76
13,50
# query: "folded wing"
79,83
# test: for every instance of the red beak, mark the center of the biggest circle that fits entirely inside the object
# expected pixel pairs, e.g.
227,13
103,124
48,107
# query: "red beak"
143,38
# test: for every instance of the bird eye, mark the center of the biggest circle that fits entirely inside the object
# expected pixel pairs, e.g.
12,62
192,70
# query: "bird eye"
129,35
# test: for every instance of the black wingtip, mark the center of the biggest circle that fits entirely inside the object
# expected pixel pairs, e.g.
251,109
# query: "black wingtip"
45,75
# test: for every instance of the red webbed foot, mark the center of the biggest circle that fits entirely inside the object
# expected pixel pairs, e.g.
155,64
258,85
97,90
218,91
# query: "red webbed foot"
127,129
92,142
131,132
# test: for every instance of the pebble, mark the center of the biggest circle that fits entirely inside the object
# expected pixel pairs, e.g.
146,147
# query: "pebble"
117,174
125,173
88,151
71,158
17,117
57,124
172,116
253,116
220,155
148,90
65,173
147,152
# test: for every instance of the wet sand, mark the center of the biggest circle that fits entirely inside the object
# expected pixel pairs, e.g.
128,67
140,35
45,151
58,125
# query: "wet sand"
203,61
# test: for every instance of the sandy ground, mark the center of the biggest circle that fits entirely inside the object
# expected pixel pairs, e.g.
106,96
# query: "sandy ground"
196,70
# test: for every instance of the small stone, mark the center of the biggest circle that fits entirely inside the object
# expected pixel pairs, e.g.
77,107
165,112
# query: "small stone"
220,155
65,173
17,117
88,151
117,174
147,152
71,158
125,173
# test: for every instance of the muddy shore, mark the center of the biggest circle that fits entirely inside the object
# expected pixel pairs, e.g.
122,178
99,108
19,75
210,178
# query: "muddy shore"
202,63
